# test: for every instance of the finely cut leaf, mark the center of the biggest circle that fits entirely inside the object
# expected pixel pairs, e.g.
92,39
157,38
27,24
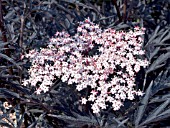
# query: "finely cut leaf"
165,38
2,44
9,93
161,82
162,58
144,102
160,98
81,120
165,114
162,38
10,60
153,36
154,53
162,116
122,123
155,112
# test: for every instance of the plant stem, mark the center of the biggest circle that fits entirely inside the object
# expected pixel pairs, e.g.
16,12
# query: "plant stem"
21,42
124,10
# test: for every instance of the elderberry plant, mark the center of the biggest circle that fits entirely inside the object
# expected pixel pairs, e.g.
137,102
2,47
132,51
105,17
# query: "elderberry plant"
107,61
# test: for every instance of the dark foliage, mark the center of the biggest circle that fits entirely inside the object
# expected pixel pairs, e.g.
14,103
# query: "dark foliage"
28,24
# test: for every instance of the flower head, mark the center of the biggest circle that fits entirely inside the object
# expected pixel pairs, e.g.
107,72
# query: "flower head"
109,71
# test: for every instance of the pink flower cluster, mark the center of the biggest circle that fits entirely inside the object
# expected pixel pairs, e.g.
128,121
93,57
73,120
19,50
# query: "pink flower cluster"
110,71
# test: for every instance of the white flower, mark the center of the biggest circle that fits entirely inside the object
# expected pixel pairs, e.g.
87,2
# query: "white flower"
95,108
77,76
79,29
139,93
25,82
122,96
92,98
87,25
83,100
130,96
79,87
64,78
137,68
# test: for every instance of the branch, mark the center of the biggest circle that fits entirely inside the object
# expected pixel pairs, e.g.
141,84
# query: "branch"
117,9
